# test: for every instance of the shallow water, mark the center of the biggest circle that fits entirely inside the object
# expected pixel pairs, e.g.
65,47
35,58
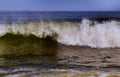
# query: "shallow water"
22,56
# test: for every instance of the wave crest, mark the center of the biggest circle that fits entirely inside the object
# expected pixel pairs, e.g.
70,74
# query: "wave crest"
99,35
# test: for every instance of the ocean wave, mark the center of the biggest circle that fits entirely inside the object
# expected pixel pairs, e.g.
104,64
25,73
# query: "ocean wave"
85,33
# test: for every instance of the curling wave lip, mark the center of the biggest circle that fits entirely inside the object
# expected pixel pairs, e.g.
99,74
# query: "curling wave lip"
99,35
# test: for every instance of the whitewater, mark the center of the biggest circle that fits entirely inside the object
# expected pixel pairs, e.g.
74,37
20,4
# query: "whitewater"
85,33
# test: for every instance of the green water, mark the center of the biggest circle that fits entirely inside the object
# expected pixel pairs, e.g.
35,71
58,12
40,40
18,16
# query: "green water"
23,56
17,49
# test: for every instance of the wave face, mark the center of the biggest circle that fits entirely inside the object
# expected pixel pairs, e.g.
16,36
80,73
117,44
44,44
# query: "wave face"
98,35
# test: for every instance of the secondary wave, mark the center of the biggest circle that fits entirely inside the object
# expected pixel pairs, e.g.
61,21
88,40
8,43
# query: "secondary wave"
85,33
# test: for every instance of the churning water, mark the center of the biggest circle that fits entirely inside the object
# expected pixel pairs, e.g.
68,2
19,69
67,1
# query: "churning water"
98,35
58,48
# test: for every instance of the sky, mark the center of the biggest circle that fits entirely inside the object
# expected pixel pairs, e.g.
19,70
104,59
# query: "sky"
60,5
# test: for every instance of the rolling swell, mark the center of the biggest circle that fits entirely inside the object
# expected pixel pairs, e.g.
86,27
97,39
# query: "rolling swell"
85,33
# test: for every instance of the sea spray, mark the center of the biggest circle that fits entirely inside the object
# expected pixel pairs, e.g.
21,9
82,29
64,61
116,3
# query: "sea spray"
98,35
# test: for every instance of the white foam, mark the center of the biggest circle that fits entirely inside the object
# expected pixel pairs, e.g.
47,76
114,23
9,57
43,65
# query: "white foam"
65,73
100,35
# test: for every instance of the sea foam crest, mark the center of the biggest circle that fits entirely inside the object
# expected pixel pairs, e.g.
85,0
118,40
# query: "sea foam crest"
100,35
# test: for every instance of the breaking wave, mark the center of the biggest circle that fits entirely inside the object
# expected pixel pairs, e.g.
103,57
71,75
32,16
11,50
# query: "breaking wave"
85,33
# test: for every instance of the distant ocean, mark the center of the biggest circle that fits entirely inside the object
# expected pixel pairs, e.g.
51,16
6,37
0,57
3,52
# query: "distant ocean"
10,16
59,44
